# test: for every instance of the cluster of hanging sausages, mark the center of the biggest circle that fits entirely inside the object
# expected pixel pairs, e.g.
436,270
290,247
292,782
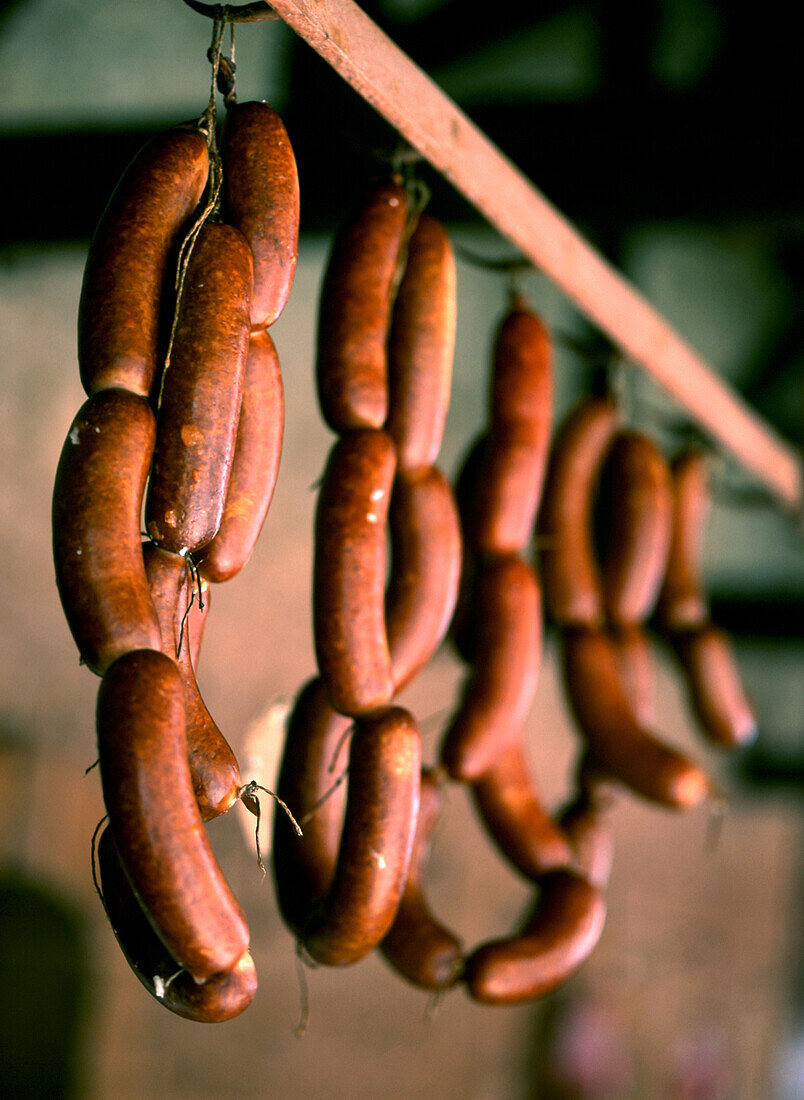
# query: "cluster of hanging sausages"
183,424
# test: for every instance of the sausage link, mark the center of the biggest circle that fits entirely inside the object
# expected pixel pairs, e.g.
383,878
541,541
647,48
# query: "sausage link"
255,465
382,807
213,766
682,601
618,745
314,759
641,522
634,655
556,939
355,312
421,347
583,822
154,818
261,199
716,693
97,501
417,946
127,266
572,584
201,394
425,572
498,693
221,997
349,572
512,812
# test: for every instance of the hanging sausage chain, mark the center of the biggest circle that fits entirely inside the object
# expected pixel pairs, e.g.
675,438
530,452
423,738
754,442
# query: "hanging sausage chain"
183,424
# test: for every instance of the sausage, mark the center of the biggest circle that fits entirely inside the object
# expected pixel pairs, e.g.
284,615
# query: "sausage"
97,502
583,822
128,262
201,394
507,490
716,693
417,946
255,465
314,759
618,745
682,601
556,939
154,818
498,693
635,664
571,577
261,199
641,521
508,805
354,314
349,572
382,806
213,766
425,570
421,347
221,997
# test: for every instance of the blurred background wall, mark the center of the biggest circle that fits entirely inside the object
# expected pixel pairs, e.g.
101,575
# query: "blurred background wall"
667,131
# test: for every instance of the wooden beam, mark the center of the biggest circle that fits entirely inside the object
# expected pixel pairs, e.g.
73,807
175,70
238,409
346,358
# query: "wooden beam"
405,96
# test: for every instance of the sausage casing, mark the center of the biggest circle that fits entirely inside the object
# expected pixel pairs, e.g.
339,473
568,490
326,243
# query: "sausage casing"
252,479
349,572
127,265
154,818
425,570
682,601
421,347
716,692
261,199
382,806
97,500
562,931
202,390
354,316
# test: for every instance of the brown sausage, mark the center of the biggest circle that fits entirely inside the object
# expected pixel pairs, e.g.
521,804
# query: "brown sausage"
421,347
618,745
126,274
255,466
261,199
641,522
314,759
154,817
682,601
509,807
425,570
637,668
716,692
349,572
556,939
417,946
508,489
583,821
498,693
381,810
97,501
572,585
221,997
213,766
355,312
201,394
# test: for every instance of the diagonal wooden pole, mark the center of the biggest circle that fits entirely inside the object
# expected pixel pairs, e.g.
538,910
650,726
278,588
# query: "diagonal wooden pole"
406,97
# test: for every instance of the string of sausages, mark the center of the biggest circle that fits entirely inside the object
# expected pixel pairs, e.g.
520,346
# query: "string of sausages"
183,424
